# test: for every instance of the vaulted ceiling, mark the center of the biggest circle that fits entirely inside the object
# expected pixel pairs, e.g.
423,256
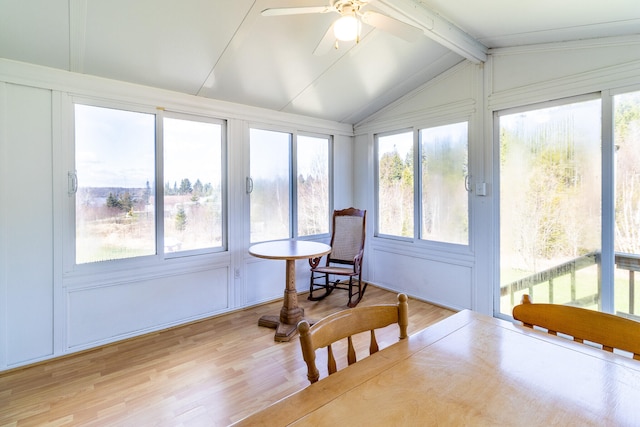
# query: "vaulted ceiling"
227,50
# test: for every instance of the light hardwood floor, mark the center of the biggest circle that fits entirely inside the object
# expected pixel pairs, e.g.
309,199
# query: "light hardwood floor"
208,373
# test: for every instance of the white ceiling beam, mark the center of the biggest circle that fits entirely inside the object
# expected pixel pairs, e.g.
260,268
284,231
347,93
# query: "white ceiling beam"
435,27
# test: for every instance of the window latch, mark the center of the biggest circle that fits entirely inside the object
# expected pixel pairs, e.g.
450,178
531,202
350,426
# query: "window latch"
72,182
249,185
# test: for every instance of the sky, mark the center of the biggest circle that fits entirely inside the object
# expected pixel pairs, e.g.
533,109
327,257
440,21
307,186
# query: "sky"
270,153
116,148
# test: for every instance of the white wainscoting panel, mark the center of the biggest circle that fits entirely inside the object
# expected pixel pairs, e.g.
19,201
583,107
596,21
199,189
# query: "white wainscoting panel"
265,280
109,313
443,283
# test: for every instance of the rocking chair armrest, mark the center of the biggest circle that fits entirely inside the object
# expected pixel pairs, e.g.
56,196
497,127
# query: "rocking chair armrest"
357,261
314,262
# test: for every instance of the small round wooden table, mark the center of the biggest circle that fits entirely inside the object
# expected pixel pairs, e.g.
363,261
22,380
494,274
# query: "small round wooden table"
289,250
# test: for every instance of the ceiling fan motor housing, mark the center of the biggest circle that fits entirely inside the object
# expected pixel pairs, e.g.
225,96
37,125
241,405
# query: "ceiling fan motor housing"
348,7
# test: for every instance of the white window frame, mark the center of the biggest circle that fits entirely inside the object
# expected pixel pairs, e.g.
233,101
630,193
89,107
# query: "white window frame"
293,181
376,184
417,188
418,179
117,267
607,264
160,192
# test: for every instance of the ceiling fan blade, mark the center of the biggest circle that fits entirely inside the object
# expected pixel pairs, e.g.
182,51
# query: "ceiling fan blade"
392,26
327,43
279,11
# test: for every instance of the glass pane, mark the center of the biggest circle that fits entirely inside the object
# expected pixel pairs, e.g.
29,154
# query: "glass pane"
444,197
550,205
269,165
395,184
192,185
115,202
627,223
313,185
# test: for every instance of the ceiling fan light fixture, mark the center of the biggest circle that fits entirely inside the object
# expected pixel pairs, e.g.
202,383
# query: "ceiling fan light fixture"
347,28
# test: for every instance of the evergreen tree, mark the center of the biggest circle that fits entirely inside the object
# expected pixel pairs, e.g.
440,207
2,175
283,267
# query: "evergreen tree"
112,201
126,202
391,167
198,188
185,186
181,219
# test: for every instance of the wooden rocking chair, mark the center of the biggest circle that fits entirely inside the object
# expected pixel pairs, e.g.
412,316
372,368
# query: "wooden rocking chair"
347,249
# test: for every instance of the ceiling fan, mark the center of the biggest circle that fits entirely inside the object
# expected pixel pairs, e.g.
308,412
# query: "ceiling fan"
348,26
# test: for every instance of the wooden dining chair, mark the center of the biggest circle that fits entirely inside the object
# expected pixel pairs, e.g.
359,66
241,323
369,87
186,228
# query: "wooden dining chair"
345,324
344,260
605,329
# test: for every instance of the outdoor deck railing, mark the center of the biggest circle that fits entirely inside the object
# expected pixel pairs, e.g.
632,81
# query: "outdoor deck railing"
623,261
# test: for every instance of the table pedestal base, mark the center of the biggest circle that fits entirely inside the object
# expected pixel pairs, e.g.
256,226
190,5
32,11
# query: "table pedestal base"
284,331
291,313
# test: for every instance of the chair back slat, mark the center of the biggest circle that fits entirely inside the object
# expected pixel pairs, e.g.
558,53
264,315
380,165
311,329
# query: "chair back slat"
351,351
345,324
608,330
373,343
331,360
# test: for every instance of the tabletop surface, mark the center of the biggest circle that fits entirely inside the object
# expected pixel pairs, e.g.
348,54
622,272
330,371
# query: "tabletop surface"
471,369
289,249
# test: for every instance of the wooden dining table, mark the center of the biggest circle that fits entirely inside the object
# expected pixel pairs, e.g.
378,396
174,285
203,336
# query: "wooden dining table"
470,370
289,250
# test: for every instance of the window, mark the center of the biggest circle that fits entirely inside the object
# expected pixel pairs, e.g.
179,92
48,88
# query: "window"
550,204
395,184
282,183
192,184
626,147
442,199
555,242
312,185
269,162
117,199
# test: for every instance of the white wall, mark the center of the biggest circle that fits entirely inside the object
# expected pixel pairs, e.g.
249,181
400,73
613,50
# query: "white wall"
526,75
512,77
47,310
